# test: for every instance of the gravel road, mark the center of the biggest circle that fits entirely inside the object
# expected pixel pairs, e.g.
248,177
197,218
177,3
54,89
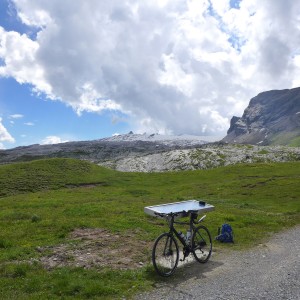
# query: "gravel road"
268,271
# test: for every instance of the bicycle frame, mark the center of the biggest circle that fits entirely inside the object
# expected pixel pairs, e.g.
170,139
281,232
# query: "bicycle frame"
171,220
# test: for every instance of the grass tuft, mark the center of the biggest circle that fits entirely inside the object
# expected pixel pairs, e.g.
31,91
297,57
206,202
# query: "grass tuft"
35,218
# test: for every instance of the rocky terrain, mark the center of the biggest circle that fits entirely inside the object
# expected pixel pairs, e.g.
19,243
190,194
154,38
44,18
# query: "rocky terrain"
154,153
272,117
203,157
107,149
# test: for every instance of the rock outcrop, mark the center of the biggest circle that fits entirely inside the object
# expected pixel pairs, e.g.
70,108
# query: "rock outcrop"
207,156
271,118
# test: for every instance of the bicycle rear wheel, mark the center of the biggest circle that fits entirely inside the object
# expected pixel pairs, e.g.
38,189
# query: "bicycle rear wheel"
201,244
165,254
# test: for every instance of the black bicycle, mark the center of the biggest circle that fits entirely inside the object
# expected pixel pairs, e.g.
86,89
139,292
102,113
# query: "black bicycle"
165,253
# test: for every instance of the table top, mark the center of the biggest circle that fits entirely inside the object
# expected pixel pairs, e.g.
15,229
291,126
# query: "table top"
187,206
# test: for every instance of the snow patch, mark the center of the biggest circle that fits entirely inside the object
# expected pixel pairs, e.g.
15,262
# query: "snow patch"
163,139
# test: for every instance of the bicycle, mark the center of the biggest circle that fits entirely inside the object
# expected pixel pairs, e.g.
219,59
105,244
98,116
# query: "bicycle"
165,253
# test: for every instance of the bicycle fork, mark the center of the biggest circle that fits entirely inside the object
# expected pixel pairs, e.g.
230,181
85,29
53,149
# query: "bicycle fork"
168,247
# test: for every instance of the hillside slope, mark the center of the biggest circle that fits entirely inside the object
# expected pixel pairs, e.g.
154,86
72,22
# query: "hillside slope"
50,174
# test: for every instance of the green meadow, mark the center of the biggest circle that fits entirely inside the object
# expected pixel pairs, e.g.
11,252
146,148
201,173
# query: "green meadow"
43,202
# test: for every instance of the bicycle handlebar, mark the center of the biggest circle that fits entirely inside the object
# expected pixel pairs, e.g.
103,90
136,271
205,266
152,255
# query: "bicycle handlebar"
171,214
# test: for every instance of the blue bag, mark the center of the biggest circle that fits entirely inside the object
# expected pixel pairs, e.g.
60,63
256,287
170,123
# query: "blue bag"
225,234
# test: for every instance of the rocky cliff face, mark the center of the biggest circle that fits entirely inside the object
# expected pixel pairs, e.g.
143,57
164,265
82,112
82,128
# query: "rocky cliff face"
272,117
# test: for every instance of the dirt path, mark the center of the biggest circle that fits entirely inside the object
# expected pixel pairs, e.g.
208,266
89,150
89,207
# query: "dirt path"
269,271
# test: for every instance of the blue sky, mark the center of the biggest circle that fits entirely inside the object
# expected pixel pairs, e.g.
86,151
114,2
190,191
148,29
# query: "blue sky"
87,70
30,117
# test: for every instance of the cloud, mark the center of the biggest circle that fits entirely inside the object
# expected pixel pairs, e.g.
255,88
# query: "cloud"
29,124
20,62
171,66
16,116
5,135
52,139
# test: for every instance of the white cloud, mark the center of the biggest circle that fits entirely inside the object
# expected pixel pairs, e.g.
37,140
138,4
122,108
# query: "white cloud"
16,116
29,124
92,101
171,66
19,54
52,139
5,135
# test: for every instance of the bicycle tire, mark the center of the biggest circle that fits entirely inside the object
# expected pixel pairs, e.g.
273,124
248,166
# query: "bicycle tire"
201,244
165,255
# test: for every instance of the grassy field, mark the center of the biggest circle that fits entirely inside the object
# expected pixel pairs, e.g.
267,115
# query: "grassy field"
44,202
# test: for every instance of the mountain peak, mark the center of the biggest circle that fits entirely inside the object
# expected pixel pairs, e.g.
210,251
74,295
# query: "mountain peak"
272,117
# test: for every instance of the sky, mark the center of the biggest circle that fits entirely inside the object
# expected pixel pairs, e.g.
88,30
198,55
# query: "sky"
88,69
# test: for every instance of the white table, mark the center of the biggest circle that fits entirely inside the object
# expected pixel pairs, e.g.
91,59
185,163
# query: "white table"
182,207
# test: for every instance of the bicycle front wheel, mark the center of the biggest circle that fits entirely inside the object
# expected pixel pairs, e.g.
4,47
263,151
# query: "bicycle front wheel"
201,244
165,254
